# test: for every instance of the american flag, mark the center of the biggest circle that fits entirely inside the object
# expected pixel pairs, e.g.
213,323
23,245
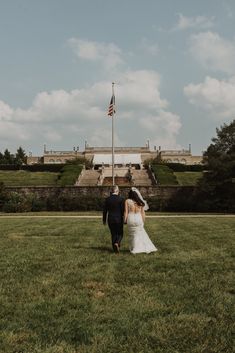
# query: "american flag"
111,109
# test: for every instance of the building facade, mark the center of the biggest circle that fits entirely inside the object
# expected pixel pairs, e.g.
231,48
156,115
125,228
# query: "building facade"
125,156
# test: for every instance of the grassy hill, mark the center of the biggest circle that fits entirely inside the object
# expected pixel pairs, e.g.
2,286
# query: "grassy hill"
69,174
164,175
188,178
26,178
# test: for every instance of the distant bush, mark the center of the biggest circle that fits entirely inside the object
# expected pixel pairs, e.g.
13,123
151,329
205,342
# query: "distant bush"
38,204
182,201
68,202
164,175
43,167
80,161
17,203
34,167
69,174
179,167
9,167
3,195
155,204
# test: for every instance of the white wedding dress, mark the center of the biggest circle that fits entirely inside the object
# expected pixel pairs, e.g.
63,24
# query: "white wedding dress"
138,238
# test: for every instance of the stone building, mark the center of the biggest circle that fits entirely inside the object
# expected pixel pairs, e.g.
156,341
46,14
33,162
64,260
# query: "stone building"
124,156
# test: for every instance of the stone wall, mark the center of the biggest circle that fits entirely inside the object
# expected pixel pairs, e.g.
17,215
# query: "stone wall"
162,192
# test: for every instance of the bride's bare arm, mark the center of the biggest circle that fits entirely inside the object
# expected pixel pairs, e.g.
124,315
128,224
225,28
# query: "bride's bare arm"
125,212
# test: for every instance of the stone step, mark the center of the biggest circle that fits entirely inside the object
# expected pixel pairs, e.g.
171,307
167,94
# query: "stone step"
141,178
118,180
88,178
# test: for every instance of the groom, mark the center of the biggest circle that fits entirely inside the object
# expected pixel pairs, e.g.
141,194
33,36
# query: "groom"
114,209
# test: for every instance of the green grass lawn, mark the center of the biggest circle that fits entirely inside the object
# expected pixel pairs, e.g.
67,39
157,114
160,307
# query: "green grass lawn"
26,178
188,178
63,291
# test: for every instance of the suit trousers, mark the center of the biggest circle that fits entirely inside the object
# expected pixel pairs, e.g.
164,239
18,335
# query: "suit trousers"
116,230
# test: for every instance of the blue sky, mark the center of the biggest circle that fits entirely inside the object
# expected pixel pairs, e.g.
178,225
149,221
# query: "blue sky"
173,62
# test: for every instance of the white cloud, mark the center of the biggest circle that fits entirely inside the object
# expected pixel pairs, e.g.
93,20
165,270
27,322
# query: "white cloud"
109,54
141,90
166,126
5,111
70,118
229,11
148,47
11,131
213,52
199,22
215,96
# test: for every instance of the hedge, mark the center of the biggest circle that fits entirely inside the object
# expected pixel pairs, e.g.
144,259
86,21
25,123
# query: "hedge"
179,167
69,174
34,167
43,167
9,167
164,175
185,200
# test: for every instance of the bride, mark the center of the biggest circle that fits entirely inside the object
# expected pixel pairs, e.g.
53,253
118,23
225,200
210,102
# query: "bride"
134,216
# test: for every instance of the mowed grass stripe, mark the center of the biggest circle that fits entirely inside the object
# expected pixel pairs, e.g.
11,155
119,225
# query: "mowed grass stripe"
63,290
99,215
27,178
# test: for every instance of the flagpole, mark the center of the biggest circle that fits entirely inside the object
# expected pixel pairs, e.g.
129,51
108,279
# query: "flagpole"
113,179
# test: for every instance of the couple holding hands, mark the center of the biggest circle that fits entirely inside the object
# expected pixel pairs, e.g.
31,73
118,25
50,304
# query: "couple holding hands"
131,212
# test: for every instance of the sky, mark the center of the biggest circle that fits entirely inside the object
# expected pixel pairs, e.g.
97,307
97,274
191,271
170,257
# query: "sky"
172,61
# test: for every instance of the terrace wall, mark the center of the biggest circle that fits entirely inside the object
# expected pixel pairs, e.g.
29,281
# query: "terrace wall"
162,192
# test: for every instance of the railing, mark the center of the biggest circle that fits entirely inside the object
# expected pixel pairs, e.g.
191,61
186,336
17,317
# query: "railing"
80,176
121,149
174,152
60,152
151,175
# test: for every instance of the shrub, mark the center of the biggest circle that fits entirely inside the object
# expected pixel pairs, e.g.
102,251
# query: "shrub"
3,195
80,161
43,167
179,167
17,203
38,204
9,167
164,174
69,174
182,201
155,204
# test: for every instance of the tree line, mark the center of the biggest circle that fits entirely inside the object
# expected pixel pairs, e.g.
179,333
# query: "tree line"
8,158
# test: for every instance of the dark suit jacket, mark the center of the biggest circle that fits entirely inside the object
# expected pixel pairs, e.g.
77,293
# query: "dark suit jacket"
114,208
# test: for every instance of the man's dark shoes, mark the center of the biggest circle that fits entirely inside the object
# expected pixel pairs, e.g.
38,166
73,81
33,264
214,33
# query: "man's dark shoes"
116,248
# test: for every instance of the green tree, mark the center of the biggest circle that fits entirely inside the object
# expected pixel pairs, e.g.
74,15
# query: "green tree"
81,161
8,158
219,159
20,157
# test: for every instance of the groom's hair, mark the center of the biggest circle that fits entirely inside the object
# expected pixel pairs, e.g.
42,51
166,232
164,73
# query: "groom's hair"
114,189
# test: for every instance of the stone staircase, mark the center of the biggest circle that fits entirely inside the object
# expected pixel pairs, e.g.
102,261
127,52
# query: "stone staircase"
95,177
88,178
141,178
120,181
